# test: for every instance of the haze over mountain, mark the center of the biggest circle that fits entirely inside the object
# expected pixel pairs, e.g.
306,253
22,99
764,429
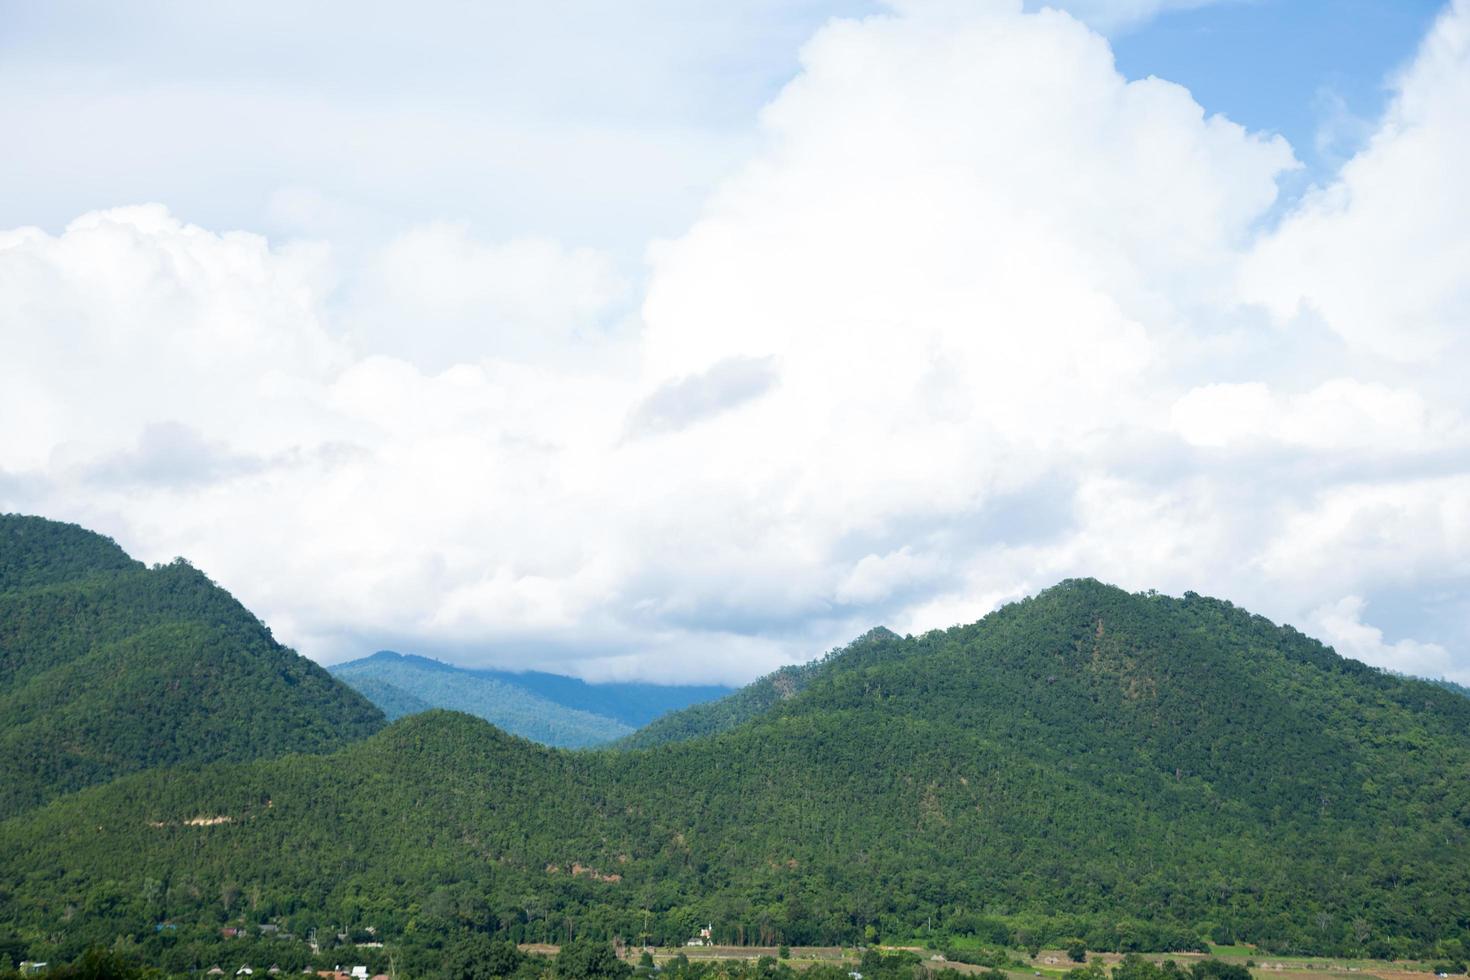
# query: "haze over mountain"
107,667
546,708
1137,770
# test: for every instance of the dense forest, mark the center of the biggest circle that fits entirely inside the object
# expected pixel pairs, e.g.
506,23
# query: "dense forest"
108,667
1125,771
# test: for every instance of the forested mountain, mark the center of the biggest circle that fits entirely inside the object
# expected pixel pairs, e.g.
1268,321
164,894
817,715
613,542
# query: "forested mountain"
393,702
1459,689
757,698
108,667
1136,771
546,708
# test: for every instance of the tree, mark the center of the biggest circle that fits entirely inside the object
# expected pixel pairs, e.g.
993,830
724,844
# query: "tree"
1077,952
588,959
478,957
102,964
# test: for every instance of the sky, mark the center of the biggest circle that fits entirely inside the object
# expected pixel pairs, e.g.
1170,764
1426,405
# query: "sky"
680,341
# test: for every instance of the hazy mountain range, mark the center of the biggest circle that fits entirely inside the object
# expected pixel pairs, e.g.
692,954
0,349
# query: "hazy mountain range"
547,708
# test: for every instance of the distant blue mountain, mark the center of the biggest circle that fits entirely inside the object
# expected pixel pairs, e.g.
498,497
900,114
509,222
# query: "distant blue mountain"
547,708
630,703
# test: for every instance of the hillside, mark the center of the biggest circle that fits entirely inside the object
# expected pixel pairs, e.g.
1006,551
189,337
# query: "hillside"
755,698
546,708
1138,771
108,667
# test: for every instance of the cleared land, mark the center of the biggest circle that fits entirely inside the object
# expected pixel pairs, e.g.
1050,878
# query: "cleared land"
1054,963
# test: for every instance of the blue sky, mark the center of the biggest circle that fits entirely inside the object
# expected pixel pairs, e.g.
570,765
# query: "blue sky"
668,91
1297,67
678,341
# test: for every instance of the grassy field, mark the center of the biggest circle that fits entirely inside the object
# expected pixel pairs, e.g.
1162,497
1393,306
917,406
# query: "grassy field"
1052,964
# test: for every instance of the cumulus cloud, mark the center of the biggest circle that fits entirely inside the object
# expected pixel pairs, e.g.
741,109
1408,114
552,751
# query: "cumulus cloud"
1340,624
1337,416
977,313
437,296
1379,254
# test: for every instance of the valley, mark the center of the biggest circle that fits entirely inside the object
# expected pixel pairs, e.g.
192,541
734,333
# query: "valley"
1123,772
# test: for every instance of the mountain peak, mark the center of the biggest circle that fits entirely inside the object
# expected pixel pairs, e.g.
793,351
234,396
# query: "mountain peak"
35,551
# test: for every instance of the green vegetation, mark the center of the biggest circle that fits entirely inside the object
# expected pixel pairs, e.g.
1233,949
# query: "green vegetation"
1086,770
393,702
108,667
755,699
36,552
1134,772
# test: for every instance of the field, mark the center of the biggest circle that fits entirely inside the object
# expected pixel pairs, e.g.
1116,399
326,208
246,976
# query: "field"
1051,964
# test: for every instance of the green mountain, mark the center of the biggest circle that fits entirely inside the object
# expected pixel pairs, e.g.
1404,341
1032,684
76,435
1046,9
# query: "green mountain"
1459,689
757,698
546,708
108,667
393,702
1136,771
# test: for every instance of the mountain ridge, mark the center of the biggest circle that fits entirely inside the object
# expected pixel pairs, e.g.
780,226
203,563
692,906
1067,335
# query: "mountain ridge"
108,666
1135,770
549,708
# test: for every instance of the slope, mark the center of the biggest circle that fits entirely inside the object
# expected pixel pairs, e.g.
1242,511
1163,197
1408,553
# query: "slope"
393,702
757,697
1135,770
108,667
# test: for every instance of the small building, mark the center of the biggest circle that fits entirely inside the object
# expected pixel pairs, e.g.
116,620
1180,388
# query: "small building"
215,971
244,971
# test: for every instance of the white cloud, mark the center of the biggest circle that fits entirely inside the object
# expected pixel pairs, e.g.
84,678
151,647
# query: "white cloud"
1340,625
973,315
437,296
1339,415
1380,253
1389,532
1111,16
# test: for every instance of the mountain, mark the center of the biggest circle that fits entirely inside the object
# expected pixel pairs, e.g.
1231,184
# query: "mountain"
546,708
108,667
754,699
632,703
393,702
1459,689
1132,770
